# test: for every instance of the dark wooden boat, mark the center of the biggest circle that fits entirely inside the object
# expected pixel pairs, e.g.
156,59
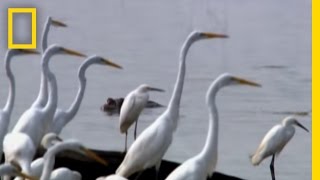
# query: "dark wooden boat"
90,170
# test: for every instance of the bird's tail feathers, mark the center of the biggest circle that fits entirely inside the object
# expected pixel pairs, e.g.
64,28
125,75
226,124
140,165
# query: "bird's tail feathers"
255,159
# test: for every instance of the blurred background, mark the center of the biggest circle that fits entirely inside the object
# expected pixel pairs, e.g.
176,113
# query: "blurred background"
270,43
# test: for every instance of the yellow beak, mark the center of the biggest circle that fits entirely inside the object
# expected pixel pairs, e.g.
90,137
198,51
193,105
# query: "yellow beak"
94,156
25,176
246,82
30,51
58,23
214,35
73,53
112,64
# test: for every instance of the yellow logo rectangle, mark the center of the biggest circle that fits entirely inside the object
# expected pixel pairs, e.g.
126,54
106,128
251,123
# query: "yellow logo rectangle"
33,44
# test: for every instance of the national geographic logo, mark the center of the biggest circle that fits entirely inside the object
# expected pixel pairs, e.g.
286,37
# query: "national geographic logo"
12,42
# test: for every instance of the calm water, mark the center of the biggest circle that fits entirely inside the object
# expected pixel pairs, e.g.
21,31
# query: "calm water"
269,43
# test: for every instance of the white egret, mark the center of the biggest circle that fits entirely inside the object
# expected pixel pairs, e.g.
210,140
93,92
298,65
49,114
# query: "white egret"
204,164
35,121
19,147
132,106
13,169
150,146
54,144
61,118
274,141
112,177
63,174
43,91
5,113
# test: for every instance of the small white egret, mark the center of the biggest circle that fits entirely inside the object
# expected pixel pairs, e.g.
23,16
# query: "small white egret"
132,106
63,174
204,164
151,145
274,141
61,118
35,121
13,169
5,113
43,91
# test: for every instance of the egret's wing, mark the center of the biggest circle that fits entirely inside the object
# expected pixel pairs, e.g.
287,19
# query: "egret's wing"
130,110
127,112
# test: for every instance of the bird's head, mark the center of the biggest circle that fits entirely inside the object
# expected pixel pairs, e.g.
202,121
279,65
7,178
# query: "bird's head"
290,120
55,22
147,88
198,35
56,49
103,61
227,79
49,140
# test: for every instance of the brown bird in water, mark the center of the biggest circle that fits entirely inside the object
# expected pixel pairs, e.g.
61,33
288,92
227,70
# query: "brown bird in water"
113,105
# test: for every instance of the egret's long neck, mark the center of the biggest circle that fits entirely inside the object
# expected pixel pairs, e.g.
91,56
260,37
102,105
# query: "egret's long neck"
11,96
49,158
4,169
45,33
43,91
73,109
51,105
174,104
210,150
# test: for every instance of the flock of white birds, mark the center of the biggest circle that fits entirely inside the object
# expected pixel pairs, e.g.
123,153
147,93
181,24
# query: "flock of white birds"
40,125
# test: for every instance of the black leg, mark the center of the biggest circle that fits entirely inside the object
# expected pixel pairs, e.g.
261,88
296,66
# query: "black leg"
157,174
126,142
157,167
272,168
135,130
137,177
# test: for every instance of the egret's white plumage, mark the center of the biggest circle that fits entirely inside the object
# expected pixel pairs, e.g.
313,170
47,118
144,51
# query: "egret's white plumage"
204,164
132,107
35,121
63,117
5,113
150,146
19,147
275,140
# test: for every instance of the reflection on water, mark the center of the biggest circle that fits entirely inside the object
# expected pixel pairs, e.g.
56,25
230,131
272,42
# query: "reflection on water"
145,36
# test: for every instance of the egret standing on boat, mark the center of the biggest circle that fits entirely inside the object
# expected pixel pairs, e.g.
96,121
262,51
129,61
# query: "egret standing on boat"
5,113
132,106
204,164
274,141
61,118
151,145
